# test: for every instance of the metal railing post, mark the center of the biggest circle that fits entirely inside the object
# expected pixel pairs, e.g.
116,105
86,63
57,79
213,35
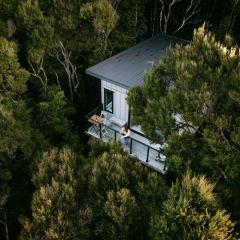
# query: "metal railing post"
115,135
100,126
147,153
164,168
130,146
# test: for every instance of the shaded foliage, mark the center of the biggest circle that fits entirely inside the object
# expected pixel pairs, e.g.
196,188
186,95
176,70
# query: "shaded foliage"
54,202
191,212
35,114
191,96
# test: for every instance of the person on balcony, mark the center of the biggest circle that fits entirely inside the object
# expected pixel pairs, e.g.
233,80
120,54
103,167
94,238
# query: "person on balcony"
125,131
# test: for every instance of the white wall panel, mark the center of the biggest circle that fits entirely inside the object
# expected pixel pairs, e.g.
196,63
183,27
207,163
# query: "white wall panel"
117,99
120,109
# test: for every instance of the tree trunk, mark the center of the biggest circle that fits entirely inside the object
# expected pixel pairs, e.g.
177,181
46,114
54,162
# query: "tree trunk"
4,223
232,16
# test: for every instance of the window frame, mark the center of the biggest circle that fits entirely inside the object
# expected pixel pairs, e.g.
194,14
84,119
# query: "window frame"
105,100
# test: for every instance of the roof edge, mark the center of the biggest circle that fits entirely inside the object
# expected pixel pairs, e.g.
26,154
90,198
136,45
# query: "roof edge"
90,73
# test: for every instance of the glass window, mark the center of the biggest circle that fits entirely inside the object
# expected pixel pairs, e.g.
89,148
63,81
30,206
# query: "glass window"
108,100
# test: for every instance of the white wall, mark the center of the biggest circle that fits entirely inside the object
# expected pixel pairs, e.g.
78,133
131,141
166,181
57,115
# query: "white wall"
120,106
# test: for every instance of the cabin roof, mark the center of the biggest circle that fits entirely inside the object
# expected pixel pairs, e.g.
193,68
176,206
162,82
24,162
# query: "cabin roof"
127,68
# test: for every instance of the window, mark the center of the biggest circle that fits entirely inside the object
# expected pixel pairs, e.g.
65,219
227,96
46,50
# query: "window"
108,100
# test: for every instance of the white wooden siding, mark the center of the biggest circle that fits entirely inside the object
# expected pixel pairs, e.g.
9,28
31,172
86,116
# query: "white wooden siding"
120,106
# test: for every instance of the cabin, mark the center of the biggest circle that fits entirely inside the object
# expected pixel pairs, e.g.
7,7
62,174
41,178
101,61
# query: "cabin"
118,74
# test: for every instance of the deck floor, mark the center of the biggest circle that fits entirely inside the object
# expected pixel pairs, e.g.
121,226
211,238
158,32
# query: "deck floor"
138,150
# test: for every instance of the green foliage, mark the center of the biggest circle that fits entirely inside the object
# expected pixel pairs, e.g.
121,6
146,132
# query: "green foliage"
132,25
101,14
191,212
90,31
192,97
103,18
14,125
66,14
128,191
7,7
12,77
54,202
15,130
3,29
120,208
52,115
39,29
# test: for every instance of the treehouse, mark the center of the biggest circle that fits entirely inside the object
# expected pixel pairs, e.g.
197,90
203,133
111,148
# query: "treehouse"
118,74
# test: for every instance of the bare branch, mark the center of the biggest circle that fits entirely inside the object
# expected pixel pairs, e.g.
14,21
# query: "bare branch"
192,9
4,223
70,69
115,3
166,12
38,71
57,79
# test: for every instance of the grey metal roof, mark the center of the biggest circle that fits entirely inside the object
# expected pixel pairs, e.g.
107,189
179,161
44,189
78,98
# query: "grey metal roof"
127,68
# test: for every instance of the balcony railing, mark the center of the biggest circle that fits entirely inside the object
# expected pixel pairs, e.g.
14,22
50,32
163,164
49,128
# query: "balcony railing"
147,154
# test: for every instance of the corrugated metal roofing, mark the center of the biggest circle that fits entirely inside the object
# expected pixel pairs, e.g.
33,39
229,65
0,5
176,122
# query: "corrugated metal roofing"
127,68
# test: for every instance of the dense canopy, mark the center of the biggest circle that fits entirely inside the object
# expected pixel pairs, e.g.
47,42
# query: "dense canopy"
56,184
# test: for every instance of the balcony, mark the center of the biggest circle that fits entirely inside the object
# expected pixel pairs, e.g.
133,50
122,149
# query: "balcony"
109,127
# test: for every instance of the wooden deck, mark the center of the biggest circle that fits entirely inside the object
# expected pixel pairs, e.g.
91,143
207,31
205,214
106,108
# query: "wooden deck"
140,147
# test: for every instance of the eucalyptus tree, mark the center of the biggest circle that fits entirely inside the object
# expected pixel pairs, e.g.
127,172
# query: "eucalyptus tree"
15,130
54,206
191,212
123,194
103,18
192,97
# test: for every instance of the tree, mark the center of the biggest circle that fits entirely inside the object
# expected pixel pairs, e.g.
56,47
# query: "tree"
54,206
173,14
15,129
12,77
51,116
120,208
234,13
191,212
40,37
45,43
103,18
132,24
122,193
70,69
38,29
192,97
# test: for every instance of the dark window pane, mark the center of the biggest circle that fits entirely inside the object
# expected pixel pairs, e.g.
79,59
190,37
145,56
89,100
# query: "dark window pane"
108,100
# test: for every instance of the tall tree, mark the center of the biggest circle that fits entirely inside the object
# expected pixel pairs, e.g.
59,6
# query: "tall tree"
51,117
192,97
132,24
191,212
128,191
120,208
54,205
15,130
103,18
